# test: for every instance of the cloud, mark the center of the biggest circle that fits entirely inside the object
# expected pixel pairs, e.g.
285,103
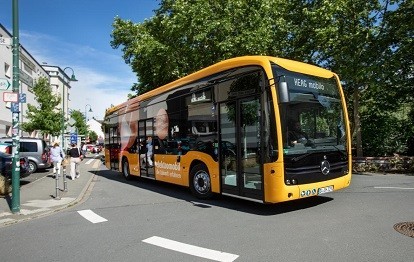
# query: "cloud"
103,77
100,91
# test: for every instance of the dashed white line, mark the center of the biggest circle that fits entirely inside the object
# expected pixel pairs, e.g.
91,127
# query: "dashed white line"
390,187
191,250
91,216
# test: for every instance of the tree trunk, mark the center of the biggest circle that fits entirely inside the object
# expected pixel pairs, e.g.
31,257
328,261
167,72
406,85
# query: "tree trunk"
357,124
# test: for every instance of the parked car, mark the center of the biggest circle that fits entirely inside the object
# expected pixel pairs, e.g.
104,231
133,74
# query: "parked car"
6,148
6,161
35,149
93,148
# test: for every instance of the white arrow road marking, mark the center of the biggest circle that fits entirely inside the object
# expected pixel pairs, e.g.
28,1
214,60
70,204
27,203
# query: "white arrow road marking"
91,216
191,250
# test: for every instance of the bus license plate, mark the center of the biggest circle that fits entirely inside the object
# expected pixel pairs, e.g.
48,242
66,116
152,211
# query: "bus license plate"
324,190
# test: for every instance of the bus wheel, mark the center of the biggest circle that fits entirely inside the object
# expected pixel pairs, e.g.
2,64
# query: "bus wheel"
200,183
125,169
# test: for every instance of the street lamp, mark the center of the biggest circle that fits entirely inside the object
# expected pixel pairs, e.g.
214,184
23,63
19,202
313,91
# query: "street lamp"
72,79
90,110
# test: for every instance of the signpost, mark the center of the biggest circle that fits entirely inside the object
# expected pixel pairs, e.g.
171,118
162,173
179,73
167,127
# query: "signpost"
4,84
15,203
10,97
73,138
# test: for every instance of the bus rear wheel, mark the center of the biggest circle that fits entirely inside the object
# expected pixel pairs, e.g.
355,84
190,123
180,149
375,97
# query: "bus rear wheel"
200,183
125,169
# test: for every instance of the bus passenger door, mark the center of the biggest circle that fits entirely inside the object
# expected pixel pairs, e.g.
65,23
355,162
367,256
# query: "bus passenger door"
239,148
114,147
145,130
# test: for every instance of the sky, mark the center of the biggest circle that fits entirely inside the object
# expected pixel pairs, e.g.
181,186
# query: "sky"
77,34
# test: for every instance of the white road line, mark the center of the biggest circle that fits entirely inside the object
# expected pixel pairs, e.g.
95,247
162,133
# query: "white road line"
89,161
190,249
390,187
91,216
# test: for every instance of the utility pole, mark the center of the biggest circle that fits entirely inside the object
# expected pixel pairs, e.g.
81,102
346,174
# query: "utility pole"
15,203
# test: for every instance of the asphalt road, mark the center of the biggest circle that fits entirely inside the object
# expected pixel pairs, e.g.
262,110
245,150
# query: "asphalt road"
144,220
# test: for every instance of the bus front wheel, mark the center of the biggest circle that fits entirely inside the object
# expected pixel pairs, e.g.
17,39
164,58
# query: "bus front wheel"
200,183
125,169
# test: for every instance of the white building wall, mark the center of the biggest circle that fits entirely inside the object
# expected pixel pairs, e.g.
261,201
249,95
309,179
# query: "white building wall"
96,126
30,72
60,83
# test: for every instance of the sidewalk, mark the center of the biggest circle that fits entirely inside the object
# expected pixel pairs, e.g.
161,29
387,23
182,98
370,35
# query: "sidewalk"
38,198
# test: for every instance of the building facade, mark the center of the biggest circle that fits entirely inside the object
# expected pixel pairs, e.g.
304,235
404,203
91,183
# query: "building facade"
30,71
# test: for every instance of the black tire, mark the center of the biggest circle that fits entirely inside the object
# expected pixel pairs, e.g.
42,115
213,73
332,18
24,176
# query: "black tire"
200,182
125,169
32,167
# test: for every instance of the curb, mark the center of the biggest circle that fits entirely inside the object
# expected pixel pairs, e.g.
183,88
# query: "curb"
83,196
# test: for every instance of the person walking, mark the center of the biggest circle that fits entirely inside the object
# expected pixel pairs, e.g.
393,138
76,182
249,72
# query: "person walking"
56,156
84,148
76,157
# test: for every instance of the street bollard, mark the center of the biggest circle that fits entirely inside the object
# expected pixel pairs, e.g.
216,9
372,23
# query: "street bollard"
57,197
65,186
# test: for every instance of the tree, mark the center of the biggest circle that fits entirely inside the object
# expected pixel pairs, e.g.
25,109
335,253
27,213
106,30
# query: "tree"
80,122
44,117
185,36
93,136
367,42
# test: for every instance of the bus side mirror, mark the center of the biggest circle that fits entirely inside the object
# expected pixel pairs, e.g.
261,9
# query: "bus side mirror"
282,92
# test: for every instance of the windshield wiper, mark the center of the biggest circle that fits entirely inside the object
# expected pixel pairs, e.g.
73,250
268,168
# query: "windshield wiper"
295,159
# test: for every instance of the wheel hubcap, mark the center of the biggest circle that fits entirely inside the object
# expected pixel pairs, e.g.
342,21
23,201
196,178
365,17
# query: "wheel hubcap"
202,182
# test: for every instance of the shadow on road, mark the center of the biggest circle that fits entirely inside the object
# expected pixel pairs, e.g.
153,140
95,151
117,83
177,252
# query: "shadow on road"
241,205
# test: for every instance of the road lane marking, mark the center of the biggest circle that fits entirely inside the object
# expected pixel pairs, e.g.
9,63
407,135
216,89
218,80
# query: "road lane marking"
91,216
391,187
190,249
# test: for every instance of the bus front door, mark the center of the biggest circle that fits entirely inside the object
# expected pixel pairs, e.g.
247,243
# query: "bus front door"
145,134
239,147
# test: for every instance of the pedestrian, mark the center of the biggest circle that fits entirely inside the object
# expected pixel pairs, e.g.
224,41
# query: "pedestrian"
56,155
84,148
76,157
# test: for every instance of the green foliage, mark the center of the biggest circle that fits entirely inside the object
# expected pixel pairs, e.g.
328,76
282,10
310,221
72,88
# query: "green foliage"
185,36
368,43
80,122
44,117
93,136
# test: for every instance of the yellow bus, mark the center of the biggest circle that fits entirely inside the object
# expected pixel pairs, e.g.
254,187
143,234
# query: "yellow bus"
261,128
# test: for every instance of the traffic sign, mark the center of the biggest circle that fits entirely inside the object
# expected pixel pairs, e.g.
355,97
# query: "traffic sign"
22,98
10,97
14,108
4,84
73,138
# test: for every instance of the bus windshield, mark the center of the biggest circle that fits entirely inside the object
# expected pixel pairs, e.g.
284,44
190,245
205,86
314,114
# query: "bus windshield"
312,119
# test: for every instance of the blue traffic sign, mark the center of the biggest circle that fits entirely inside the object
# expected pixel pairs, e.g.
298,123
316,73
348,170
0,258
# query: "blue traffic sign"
73,138
22,98
14,107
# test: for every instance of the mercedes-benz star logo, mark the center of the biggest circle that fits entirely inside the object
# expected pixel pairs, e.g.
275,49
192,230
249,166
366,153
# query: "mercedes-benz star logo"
325,167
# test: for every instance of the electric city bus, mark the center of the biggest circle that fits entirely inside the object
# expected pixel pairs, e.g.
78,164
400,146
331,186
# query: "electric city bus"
230,129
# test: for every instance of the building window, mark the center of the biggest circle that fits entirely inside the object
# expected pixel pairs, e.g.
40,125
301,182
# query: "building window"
7,70
27,69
